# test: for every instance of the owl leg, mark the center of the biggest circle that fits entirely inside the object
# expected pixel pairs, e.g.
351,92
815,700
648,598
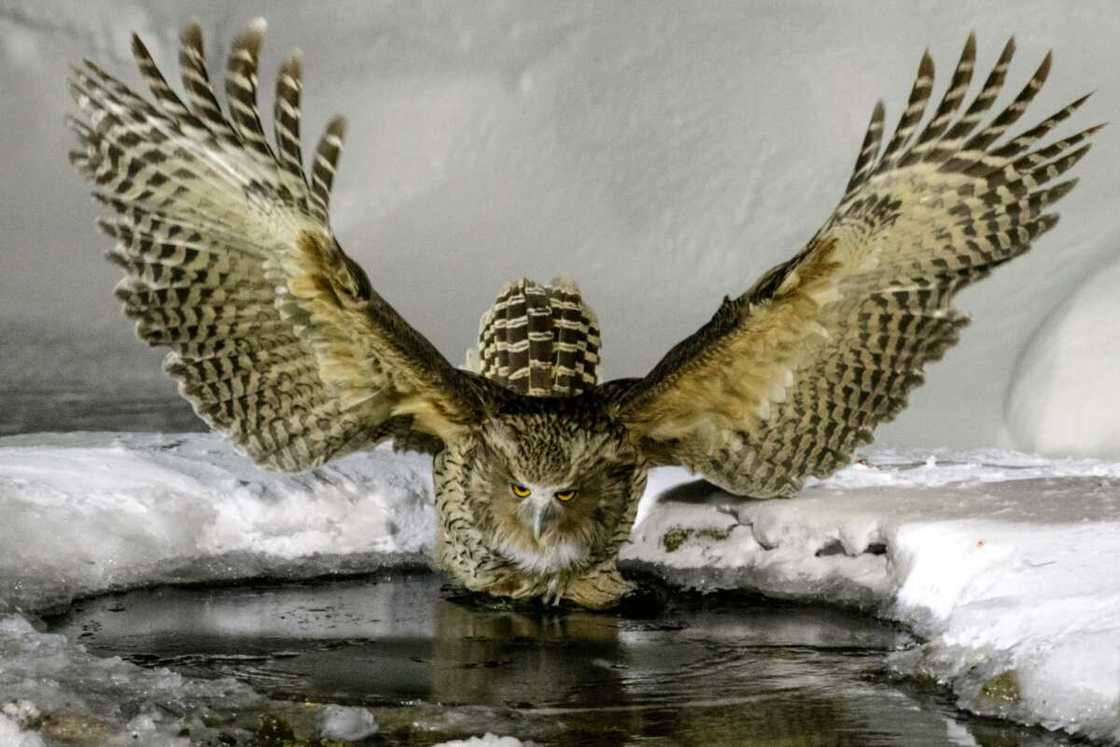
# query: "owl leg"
601,587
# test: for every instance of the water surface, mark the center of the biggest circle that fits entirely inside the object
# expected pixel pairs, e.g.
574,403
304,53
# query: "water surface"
432,665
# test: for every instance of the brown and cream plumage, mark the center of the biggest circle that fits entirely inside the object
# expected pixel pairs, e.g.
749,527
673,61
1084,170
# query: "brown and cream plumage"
279,340
546,334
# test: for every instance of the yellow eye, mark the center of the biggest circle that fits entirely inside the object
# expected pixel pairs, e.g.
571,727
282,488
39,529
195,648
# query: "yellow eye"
565,495
519,490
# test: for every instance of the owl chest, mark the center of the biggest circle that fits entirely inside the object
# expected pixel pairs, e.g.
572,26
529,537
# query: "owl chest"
476,550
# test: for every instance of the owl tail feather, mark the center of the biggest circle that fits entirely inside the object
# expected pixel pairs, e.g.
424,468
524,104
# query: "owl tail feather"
539,340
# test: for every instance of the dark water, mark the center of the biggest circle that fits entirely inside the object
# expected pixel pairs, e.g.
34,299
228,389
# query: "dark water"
86,377
433,666
69,409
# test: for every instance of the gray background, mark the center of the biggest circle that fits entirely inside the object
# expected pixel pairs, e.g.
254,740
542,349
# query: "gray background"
661,154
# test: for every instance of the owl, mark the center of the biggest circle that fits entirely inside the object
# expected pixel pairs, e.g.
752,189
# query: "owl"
280,340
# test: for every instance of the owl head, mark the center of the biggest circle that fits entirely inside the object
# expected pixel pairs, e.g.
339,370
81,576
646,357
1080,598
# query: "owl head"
555,489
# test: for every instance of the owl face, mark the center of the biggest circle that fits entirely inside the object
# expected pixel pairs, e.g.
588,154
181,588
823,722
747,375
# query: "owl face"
554,493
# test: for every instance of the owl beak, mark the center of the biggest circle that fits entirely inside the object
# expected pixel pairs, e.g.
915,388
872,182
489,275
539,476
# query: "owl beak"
542,512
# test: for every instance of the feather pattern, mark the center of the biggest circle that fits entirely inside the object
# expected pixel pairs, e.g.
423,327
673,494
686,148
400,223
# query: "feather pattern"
277,337
539,340
787,380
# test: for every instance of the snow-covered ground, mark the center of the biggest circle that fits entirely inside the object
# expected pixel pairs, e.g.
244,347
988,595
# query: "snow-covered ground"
1004,564
115,511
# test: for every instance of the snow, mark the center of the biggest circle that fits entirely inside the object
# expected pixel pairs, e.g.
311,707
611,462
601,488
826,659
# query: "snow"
346,723
13,735
54,687
695,150
1003,563
486,740
1076,350
184,508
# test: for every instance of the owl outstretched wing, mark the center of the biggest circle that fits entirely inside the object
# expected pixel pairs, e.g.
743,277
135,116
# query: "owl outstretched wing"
277,337
785,381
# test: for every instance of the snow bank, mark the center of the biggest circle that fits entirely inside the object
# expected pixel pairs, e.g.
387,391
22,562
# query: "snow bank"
1003,563
87,513
1076,350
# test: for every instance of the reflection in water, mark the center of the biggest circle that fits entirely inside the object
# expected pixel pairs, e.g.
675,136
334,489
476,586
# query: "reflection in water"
518,658
706,672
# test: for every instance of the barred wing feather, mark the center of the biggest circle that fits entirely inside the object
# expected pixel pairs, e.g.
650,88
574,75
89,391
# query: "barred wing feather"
276,336
785,381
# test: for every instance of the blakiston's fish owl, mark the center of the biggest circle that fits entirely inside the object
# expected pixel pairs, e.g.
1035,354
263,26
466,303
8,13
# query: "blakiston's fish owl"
280,341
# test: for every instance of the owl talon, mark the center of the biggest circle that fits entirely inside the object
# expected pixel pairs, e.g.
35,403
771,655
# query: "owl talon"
601,589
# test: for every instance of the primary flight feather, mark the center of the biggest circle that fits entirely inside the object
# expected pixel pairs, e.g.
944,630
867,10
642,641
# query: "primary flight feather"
280,341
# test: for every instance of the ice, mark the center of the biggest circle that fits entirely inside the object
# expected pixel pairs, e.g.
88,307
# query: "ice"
122,510
1002,563
486,740
54,687
13,735
346,723
87,513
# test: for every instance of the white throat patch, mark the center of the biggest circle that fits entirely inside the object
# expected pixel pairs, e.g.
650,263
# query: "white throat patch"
560,556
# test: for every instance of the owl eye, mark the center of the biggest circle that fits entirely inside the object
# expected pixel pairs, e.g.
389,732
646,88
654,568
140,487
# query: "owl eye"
565,495
519,490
